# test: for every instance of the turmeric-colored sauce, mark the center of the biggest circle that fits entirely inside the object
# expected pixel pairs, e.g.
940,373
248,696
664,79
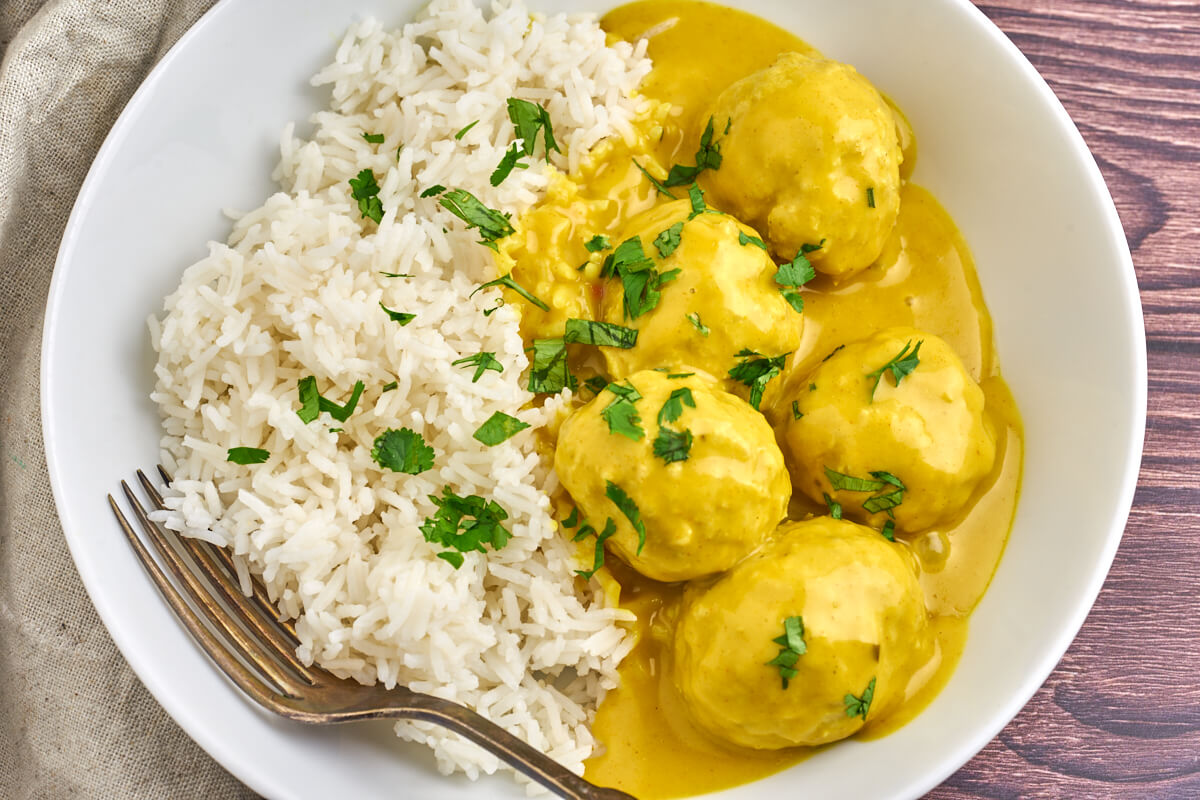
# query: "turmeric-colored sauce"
924,279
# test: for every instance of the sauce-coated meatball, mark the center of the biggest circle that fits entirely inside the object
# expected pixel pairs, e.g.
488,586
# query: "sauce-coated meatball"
704,506
864,633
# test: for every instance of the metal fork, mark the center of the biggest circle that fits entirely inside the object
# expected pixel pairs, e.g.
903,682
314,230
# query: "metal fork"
276,678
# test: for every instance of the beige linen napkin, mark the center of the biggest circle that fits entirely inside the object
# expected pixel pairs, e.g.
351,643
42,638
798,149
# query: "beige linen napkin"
74,720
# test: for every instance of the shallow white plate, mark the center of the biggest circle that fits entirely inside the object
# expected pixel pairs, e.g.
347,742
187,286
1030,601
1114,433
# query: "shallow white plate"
996,148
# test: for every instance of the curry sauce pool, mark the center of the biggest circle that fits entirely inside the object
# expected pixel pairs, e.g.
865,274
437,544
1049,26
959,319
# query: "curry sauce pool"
923,279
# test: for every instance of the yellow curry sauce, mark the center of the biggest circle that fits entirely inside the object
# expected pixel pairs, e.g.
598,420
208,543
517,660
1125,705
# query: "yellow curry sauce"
925,279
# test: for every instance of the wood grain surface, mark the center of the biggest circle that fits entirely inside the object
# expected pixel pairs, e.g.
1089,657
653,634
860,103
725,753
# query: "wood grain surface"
1120,716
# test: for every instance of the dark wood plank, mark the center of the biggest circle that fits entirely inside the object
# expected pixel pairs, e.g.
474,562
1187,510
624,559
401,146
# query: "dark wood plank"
1120,717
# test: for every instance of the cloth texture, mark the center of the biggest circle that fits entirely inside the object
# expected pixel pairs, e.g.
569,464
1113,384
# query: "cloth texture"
74,719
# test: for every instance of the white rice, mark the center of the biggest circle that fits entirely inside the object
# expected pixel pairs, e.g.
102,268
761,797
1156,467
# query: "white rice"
296,292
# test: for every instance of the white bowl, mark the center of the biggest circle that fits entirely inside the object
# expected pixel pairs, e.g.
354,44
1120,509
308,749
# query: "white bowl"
996,148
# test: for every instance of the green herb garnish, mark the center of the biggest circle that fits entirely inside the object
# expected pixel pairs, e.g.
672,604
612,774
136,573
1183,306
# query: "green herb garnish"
791,647
672,445
398,316
796,412
529,119
900,366
835,508
397,274
597,243
694,318
312,403
550,372
756,371
373,138
886,500
640,281
696,196
365,190
743,239
499,427
402,450
482,362
247,455
463,131
601,334
870,197
510,160
668,240
793,274
629,508
622,414
889,531
508,282
433,191
655,182
673,407
610,528
464,525
492,224
859,706
387,387
707,157
596,384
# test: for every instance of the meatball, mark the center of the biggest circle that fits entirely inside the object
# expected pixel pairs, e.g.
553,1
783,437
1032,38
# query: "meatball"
701,467
723,300
910,443
855,603
811,154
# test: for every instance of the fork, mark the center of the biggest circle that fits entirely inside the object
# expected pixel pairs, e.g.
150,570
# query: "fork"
257,651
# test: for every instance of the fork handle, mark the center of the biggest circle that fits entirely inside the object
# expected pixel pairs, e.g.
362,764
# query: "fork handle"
512,750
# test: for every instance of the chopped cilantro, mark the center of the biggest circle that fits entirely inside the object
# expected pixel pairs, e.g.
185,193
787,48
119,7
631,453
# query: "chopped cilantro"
668,240
373,138
365,190
433,191
398,316
679,374
672,445
835,508
596,384
387,387
842,482
397,274
791,647
901,365
550,373
312,403
694,318
597,243
859,706
398,151
622,414
510,160
889,531
673,408
610,528
247,455
639,279
508,282
743,239
878,482
463,131
572,519
832,353
482,362
492,224
601,334
499,426
629,508
655,182
707,157
696,196
756,371
529,119
870,197
402,450
464,525
793,274
796,412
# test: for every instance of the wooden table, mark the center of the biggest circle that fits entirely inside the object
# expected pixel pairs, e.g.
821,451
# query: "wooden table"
1120,716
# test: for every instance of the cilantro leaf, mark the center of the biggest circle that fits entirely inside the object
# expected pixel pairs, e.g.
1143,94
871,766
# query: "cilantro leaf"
499,427
668,240
622,414
465,525
791,647
597,243
402,450
433,191
900,366
756,371
572,519
707,157
342,413
870,197
247,455
387,387
397,274
889,531
482,362
505,167
796,412
793,274
550,372
629,508
859,706
673,408
655,182
529,119
508,282
463,131
694,318
743,239
879,481
640,281
696,196
492,225
610,528
310,399
373,138
672,445
365,190
842,482
596,384
398,316
884,502
835,508
601,334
